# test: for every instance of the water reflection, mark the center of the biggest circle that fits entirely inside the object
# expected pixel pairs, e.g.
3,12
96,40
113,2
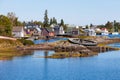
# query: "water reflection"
117,45
46,53
9,55
45,73
42,53
102,67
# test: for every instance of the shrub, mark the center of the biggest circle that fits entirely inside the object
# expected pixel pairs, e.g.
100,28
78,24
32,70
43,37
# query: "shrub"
26,42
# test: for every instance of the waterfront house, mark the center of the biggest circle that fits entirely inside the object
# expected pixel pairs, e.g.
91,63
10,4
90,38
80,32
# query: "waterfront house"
33,30
44,32
75,31
18,32
47,32
61,30
51,32
69,31
90,32
36,32
58,30
104,31
52,25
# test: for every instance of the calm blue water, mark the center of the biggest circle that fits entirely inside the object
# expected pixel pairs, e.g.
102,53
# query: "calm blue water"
50,40
105,66
114,36
111,36
117,45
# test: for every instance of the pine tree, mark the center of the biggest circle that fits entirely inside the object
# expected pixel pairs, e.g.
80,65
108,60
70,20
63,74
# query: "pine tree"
51,21
87,27
54,20
91,25
46,19
62,22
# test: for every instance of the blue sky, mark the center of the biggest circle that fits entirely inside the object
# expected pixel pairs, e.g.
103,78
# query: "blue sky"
78,12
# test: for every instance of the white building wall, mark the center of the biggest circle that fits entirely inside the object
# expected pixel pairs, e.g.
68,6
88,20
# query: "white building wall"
18,34
61,30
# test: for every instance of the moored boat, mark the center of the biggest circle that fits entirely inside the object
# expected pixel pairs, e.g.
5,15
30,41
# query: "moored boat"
82,42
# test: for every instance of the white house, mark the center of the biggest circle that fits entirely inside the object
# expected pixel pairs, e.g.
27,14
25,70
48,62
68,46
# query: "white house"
90,32
61,30
57,29
18,32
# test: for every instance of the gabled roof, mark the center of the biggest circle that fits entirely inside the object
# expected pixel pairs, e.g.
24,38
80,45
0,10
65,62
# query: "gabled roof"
17,29
47,29
56,27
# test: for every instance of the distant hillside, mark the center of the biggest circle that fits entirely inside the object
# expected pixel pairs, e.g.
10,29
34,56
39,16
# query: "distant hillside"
6,43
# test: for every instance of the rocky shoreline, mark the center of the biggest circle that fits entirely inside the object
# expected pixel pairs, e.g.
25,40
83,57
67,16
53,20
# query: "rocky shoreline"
65,49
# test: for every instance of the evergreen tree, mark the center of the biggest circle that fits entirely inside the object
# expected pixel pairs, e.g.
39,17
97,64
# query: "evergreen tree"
51,21
87,27
62,22
54,20
91,25
46,19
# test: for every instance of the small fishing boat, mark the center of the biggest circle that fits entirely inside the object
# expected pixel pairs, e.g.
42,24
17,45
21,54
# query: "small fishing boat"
82,42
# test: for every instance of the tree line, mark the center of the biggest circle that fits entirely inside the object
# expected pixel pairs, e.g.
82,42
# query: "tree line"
9,21
111,26
48,23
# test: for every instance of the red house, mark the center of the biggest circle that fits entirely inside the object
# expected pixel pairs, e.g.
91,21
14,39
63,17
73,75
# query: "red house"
47,32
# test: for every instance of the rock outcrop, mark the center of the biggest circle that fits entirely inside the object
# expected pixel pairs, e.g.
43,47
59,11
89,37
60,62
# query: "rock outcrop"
5,43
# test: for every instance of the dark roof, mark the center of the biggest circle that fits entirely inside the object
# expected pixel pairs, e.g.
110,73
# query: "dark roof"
57,27
17,29
47,29
44,29
50,29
